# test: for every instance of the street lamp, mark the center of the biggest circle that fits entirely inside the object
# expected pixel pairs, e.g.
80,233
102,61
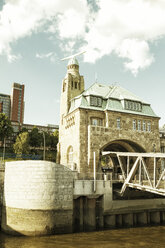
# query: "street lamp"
44,146
4,146
4,143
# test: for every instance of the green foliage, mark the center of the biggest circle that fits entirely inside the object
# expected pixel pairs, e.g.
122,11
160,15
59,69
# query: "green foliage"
35,143
6,129
36,138
50,155
51,140
24,129
56,134
21,145
54,139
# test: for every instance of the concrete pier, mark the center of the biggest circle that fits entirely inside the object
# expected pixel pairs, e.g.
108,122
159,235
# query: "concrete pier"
90,214
128,220
42,198
119,222
110,221
155,217
38,198
142,219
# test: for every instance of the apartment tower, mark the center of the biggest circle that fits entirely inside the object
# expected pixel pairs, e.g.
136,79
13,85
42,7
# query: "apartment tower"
17,103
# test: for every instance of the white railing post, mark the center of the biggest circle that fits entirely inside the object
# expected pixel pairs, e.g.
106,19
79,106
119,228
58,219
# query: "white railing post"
94,170
154,175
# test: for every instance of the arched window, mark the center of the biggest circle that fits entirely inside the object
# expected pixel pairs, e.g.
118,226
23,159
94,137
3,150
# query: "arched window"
70,155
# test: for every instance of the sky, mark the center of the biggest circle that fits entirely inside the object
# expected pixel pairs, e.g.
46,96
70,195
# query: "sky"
124,42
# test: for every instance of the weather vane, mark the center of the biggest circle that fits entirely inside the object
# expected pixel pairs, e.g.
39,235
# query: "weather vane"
73,56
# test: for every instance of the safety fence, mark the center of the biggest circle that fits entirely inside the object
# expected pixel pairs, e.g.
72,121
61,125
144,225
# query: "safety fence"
9,156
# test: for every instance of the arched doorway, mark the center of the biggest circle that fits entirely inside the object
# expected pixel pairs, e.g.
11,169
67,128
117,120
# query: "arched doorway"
123,146
112,162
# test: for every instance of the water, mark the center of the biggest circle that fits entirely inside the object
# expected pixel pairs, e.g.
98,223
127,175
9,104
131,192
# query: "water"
152,237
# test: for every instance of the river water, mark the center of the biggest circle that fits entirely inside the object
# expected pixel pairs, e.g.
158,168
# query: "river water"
152,237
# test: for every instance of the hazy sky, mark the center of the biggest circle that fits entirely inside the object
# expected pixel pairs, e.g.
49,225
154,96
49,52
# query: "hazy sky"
124,40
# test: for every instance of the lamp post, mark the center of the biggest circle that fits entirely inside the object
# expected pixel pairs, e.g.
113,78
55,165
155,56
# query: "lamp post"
4,146
44,146
4,143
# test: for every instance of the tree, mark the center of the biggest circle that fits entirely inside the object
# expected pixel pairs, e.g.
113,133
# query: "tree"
51,139
6,130
54,139
21,145
24,129
35,138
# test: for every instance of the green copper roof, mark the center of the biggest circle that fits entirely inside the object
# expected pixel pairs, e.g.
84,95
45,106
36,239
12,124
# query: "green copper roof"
73,61
107,91
112,99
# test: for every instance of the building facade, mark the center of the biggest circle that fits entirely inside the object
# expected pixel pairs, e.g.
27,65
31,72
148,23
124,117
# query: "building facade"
13,105
5,104
102,118
162,139
17,127
17,103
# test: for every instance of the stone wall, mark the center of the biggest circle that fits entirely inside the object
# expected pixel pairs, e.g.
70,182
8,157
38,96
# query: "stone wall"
2,172
38,198
69,137
86,139
162,143
95,138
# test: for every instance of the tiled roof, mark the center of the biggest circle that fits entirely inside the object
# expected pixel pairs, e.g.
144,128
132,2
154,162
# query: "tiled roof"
111,91
112,99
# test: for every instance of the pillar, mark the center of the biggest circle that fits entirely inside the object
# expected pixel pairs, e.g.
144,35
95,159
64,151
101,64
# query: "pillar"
142,218
128,219
110,221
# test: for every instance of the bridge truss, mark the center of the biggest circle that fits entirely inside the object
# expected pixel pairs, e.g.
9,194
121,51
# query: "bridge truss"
143,171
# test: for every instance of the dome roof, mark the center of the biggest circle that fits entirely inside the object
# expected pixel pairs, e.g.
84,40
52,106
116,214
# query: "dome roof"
73,61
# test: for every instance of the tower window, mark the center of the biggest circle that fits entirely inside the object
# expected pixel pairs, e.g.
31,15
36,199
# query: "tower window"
132,105
139,125
163,149
70,155
118,123
134,124
144,126
95,101
149,127
96,121
72,84
99,102
75,85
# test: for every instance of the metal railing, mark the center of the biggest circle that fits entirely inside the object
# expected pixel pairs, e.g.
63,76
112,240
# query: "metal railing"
20,156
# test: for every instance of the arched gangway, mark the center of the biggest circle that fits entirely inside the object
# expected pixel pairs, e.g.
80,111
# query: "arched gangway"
143,171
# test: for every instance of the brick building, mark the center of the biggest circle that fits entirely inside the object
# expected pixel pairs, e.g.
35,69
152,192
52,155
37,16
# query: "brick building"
17,103
103,117
5,104
13,105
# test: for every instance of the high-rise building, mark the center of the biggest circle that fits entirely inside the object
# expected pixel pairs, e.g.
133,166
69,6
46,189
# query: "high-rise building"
5,104
17,103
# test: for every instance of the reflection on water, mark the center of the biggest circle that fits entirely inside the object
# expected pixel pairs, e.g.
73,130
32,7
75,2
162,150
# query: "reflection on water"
152,237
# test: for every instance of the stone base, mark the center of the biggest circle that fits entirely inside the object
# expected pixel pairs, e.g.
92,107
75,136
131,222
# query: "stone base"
36,222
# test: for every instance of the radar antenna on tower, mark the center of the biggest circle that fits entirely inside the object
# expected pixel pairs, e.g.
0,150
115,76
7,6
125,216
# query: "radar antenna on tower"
73,56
